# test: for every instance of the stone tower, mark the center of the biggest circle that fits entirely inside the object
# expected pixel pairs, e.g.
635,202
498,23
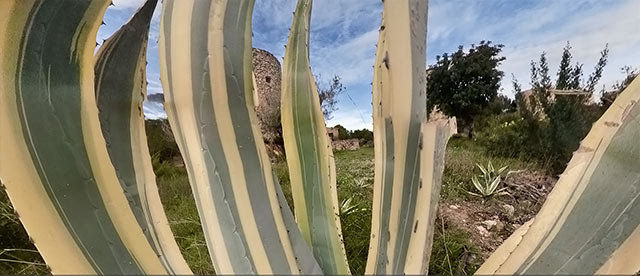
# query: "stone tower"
267,75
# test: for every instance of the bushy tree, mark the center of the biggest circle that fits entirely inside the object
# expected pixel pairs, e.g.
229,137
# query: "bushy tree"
329,95
463,84
568,76
160,140
500,104
556,125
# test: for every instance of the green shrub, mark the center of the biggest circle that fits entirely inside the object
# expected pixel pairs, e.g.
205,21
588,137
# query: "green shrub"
364,135
569,122
487,183
504,135
549,141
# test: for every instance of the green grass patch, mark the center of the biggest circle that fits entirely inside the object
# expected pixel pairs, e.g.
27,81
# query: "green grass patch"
452,252
354,171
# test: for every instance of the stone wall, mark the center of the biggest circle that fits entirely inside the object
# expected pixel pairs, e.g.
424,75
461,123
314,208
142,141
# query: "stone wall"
267,75
349,144
333,133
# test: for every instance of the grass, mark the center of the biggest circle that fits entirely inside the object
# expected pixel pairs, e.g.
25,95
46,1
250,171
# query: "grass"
452,252
355,181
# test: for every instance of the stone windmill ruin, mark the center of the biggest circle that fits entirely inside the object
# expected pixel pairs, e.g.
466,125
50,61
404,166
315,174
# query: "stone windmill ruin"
267,75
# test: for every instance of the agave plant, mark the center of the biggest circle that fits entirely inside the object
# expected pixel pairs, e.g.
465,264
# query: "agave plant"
76,169
489,181
349,207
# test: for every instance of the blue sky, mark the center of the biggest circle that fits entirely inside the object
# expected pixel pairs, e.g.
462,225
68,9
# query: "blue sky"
344,34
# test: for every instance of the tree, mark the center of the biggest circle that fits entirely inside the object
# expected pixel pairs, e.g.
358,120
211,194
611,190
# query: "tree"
364,135
329,96
556,125
501,103
595,77
607,98
463,84
569,77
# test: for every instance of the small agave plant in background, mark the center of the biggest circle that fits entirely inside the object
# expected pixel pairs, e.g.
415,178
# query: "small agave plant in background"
75,164
488,182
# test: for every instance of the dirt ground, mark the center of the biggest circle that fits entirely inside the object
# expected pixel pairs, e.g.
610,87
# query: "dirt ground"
489,222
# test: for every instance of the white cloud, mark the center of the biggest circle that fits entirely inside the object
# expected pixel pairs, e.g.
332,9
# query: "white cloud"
126,4
617,26
352,119
153,110
352,60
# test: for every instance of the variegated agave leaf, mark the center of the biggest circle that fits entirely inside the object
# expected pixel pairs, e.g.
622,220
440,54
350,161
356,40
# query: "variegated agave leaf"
309,153
407,172
54,162
205,62
120,90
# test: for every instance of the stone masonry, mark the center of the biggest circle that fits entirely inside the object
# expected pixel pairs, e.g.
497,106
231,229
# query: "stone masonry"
267,77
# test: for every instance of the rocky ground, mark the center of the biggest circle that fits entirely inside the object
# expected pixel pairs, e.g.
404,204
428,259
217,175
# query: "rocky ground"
489,222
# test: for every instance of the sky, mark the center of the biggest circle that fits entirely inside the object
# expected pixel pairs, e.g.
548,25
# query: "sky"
344,34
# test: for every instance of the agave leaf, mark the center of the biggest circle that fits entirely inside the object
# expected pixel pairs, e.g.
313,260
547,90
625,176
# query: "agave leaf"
435,136
120,90
590,221
501,170
55,164
205,62
494,184
475,194
347,207
490,168
476,183
495,260
482,169
309,154
398,114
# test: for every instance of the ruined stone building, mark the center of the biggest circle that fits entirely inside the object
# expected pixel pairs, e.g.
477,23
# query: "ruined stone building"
267,75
